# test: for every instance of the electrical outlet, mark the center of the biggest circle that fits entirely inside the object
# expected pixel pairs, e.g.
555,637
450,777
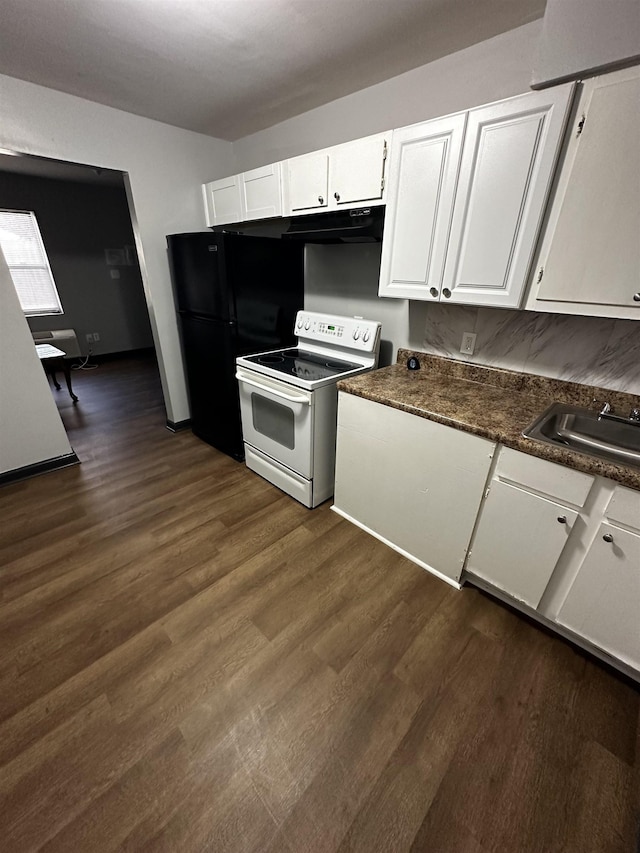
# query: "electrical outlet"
96,337
89,338
468,343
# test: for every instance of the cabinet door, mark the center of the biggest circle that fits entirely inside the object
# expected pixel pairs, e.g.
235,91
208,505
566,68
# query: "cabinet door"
261,192
509,154
413,483
308,181
603,604
357,171
422,179
222,201
518,541
590,255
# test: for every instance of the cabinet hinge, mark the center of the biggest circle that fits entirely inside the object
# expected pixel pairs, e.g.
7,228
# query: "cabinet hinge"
382,184
384,150
486,492
540,274
581,125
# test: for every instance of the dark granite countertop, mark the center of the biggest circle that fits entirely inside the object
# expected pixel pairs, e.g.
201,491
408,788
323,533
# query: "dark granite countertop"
493,403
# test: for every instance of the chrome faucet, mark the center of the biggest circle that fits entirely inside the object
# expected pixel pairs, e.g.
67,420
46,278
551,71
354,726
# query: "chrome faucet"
607,413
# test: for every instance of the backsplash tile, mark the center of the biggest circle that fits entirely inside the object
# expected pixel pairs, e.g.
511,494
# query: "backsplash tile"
589,350
504,338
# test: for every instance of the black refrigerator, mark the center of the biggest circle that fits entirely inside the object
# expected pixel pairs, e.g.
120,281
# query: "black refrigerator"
235,295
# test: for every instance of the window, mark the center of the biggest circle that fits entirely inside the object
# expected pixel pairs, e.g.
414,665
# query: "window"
28,263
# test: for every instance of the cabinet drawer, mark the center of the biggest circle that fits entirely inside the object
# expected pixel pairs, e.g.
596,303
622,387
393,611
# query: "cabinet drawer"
556,481
624,508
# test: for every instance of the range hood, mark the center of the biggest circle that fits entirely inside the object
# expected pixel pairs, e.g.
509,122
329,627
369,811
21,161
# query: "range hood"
360,225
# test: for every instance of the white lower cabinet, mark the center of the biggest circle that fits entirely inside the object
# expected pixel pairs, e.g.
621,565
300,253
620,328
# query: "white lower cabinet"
526,520
518,542
567,546
413,483
603,603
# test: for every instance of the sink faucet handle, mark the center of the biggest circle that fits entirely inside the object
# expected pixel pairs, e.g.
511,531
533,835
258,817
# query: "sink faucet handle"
634,415
606,409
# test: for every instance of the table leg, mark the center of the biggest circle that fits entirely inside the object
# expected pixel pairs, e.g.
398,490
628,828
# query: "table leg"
67,376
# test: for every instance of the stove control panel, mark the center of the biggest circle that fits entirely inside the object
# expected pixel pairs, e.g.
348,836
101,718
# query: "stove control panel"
347,332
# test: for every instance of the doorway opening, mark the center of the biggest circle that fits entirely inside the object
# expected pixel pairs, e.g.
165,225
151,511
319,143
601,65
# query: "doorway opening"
88,230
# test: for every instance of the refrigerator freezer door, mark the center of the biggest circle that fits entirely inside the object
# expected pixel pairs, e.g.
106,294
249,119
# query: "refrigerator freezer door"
268,284
209,350
198,270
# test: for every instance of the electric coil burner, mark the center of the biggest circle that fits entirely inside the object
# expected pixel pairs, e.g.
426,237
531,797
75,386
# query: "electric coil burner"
288,401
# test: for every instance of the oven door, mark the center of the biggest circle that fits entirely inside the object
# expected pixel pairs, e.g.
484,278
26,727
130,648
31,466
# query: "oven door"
277,419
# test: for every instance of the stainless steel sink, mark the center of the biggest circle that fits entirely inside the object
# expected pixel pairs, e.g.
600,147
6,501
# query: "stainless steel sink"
582,430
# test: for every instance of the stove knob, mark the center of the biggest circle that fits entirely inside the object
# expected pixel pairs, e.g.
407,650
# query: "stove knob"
299,324
366,337
356,334
307,325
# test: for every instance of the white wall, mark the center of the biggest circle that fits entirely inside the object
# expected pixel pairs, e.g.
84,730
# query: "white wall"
30,427
166,167
583,36
488,71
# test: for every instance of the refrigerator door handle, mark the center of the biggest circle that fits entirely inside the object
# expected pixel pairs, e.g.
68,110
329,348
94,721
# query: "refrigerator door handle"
291,398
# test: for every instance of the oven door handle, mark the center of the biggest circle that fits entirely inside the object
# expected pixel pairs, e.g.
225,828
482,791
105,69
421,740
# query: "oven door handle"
293,398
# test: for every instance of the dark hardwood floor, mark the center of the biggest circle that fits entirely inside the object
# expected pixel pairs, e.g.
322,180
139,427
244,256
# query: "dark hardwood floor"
192,661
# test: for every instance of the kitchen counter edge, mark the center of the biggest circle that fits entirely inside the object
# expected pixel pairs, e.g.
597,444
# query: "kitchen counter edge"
490,402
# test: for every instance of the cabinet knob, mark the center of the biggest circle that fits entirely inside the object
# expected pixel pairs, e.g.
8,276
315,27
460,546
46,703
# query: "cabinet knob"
562,519
433,291
336,196
636,297
608,537
446,292
321,199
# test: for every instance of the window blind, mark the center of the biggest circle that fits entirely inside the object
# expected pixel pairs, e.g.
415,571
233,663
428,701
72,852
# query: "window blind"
28,263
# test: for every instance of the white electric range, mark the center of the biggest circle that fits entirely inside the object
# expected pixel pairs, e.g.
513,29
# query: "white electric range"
288,401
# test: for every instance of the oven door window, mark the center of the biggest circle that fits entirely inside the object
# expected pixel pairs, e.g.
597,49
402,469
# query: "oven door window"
273,420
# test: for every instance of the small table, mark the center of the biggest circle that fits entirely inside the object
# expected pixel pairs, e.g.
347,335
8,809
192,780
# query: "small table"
53,359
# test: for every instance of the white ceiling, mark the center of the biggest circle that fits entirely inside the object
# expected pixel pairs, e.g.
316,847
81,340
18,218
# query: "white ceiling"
229,68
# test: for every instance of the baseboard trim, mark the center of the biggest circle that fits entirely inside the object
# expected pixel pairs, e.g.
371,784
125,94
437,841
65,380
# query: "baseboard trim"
397,548
37,468
178,426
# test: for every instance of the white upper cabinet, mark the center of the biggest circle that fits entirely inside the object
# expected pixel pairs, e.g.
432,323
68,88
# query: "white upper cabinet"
307,183
261,192
463,216
508,159
356,171
222,201
589,258
422,182
341,176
